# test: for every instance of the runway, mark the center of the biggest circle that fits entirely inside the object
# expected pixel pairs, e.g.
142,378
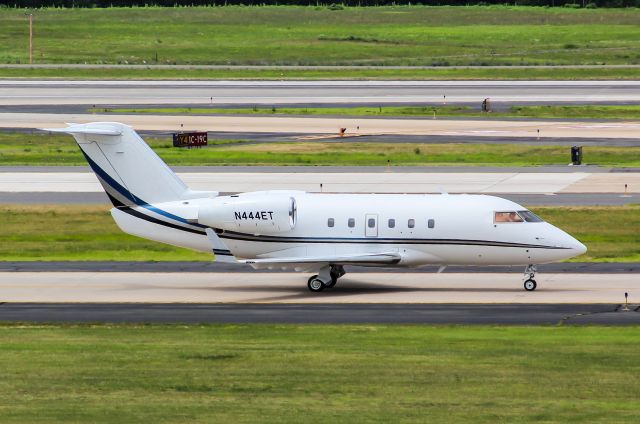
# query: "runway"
215,267
275,137
545,314
290,288
351,182
324,126
40,92
528,200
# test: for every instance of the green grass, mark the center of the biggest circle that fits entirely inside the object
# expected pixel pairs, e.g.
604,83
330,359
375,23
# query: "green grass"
612,234
44,149
441,73
81,233
288,35
78,233
312,374
551,111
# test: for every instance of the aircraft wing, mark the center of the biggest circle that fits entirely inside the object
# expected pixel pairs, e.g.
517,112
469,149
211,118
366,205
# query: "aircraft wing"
223,254
388,258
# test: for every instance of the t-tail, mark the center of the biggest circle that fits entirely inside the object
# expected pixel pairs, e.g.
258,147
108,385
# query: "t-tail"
147,195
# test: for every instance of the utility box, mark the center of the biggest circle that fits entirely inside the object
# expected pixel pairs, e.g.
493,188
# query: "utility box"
190,139
576,155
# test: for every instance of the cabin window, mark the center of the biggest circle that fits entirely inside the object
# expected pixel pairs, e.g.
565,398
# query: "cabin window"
331,222
392,223
510,216
351,223
411,223
431,223
371,223
530,216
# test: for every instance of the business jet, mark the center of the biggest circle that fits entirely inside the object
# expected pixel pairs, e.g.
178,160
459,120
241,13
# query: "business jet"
318,233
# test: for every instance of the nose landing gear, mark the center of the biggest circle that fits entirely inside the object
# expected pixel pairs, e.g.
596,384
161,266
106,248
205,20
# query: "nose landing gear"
326,278
530,272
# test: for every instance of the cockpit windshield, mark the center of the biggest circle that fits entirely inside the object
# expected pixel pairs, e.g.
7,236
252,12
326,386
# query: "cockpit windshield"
530,216
513,216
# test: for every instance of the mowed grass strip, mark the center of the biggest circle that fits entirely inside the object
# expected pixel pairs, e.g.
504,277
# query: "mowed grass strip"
44,149
79,233
83,233
440,73
543,111
276,373
292,35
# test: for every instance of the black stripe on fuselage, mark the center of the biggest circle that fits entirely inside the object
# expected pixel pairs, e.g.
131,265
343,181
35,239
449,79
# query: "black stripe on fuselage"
232,235
153,220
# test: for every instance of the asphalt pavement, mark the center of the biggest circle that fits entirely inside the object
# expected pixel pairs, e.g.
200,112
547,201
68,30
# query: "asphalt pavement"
532,314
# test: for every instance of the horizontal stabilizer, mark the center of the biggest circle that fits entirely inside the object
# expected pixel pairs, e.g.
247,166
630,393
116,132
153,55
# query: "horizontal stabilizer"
95,129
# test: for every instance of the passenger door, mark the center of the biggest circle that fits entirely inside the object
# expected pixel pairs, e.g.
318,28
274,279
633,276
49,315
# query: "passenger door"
371,225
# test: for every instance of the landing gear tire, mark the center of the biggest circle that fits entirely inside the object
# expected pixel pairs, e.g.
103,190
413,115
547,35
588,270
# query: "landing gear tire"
530,284
315,284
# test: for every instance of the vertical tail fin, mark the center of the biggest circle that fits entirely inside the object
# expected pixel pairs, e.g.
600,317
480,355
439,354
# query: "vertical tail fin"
130,172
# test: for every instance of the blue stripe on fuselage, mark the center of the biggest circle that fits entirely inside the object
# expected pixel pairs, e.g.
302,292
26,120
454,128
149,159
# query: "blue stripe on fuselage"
135,199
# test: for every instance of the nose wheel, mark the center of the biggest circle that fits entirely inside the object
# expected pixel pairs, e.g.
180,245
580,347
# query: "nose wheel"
530,284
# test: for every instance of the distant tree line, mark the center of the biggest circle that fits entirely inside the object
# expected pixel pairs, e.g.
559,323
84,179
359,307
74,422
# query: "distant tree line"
336,5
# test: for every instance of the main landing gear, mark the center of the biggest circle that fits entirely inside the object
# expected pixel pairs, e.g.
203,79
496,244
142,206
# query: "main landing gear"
530,272
326,278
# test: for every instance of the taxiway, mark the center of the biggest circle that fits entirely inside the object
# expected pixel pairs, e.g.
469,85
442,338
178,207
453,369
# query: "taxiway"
17,92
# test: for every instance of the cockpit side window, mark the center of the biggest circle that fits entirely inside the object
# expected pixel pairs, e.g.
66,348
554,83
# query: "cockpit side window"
530,216
508,216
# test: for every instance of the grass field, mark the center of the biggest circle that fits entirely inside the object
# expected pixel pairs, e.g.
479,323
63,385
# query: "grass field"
408,35
547,111
440,73
313,374
49,233
44,149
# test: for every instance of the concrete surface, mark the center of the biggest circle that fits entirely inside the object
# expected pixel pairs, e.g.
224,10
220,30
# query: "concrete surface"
216,267
250,287
565,199
357,182
331,125
16,92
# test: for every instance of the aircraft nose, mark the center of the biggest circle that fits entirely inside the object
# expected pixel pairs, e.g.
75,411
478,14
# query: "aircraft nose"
578,248
569,245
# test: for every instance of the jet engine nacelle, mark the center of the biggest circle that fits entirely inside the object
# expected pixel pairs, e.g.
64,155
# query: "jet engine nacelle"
254,214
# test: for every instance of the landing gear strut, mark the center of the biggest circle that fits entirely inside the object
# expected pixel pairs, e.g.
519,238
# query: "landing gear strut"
336,272
530,272
326,278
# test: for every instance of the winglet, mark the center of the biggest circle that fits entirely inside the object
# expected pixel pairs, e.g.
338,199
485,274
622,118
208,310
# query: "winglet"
223,254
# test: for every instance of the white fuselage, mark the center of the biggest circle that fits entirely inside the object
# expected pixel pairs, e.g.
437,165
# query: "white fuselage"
446,230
